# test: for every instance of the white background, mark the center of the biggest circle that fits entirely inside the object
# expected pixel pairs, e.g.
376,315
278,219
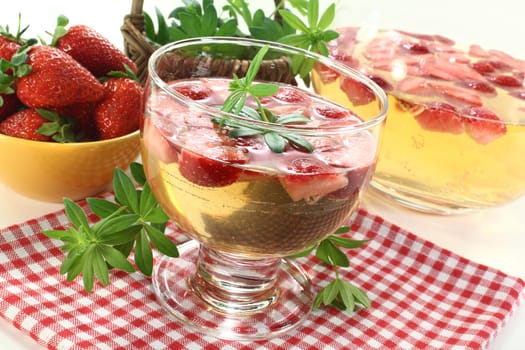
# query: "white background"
493,237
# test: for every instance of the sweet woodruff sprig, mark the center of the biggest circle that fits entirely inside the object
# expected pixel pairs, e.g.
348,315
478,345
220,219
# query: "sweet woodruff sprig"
338,293
135,220
240,89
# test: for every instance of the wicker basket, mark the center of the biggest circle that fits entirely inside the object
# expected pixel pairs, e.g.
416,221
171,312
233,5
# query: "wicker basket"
139,49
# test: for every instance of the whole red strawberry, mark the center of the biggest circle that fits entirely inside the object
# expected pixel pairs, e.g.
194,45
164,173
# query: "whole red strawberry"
120,111
94,51
38,125
83,115
8,47
9,105
56,79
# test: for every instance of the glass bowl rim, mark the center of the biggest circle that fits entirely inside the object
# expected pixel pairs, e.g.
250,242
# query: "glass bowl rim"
301,129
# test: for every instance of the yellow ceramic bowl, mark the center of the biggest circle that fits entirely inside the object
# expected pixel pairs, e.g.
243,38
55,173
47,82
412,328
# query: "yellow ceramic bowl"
49,171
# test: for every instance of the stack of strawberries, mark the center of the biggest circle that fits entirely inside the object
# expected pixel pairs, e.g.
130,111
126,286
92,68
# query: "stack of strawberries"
80,87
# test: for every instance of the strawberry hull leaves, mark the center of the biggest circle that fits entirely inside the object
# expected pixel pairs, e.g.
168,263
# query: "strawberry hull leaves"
133,220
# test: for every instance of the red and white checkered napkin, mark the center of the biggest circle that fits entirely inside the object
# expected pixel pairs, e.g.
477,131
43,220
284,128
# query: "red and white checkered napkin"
422,297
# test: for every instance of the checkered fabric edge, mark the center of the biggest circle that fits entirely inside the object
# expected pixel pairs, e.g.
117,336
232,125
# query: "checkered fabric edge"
422,296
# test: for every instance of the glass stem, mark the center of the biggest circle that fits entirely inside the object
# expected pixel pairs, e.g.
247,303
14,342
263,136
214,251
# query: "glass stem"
234,283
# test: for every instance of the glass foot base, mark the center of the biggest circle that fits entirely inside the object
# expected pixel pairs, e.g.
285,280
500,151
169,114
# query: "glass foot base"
290,303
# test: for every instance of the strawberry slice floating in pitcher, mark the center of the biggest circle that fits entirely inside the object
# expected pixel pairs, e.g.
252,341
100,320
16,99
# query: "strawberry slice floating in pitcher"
441,117
358,93
424,68
483,125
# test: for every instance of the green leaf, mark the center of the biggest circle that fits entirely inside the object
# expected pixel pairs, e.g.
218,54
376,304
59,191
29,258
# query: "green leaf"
327,18
341,230
243,132
116,259
298,40
303,253
299,141
322,49
120,237
330,292
88,276
227,28
137,171
294,21
275,141
161,242
143,254
100,267
209,22
255,64
249,112
190,24
75,214
125,248
75,265
347,296
292,118
57,234
329,35
114,224
330,254
156,216
263,89
313,13
318,300
359,295
102,207
125,191
72,259
347,242
149,28
147,201
162,36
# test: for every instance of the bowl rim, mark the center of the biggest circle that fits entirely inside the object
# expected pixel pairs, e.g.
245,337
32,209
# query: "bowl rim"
70,144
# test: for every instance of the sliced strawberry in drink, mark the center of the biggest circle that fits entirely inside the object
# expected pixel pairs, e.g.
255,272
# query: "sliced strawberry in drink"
518,94
441,117
357,92
211,168
287,94
416,86
477,85
434,70
195,91
414,48
505,80
326,74
331,112
483,125
280,110
457,94
458,71
311,180
507,61
357,179
483,67
477,51
383,84
345,58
